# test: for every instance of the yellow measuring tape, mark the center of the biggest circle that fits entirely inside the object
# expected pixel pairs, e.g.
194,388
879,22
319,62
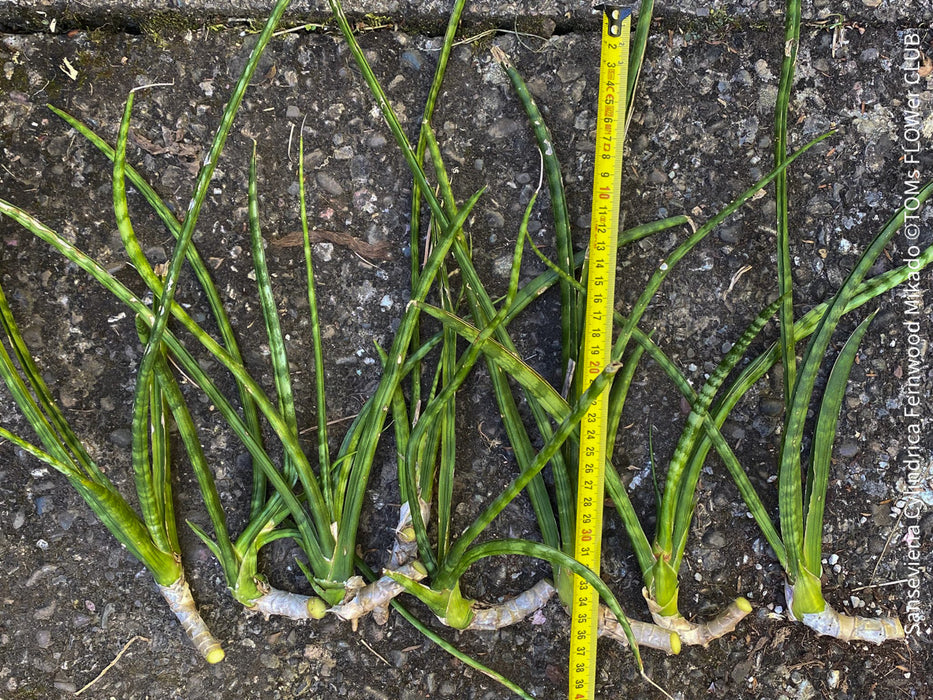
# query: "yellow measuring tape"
597,341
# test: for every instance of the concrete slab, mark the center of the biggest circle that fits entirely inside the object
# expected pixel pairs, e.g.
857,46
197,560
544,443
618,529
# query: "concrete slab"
567,15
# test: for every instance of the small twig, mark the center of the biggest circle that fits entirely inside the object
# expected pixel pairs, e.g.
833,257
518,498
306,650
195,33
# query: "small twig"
491,32
330,422
884,551
735,278
880,585
152,85
365,262
113,663
303,27
375,653
181,371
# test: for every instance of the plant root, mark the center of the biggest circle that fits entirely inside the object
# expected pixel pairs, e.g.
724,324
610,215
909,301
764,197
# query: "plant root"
291,605
404,550
179,599
646,634
513,610
693,634
362,599
847,628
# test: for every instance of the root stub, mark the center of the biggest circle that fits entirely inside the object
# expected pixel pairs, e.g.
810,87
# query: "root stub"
853,628
180,600
848,628
513,610
377,595
291,605
646,634
693,634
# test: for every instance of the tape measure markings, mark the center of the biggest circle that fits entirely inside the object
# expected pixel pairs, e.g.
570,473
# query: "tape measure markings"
597,341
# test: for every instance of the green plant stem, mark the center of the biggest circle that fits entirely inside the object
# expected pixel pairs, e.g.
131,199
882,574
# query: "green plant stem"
785,278
415,226
324,463
790,497
821,450
342,562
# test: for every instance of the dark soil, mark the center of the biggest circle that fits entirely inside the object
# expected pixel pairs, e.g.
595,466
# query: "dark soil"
72,597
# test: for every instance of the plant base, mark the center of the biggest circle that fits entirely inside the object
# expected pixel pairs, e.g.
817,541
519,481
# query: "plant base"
702,634
848,628
179,599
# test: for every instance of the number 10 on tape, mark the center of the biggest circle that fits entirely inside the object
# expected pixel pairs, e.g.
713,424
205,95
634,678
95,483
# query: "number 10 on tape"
597,341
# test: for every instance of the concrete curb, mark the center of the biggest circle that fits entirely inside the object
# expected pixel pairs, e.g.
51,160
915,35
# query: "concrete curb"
429,16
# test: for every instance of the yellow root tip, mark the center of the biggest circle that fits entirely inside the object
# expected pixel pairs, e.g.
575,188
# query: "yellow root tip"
743,604
675,643
215,655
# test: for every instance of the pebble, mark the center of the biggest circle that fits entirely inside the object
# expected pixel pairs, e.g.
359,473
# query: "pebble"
398,658
771,407
122,437
742,77
270,660
40,573
156,254
734,430
729,234
44,504
44,639
46,612
503,127
848,449
324,251
412,59
329,184
502,266
762,70
656,177
495,219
